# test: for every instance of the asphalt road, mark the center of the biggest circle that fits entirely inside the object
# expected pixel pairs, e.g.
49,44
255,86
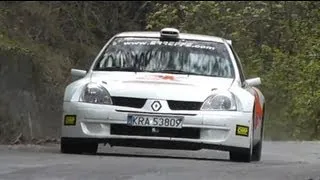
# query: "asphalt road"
280,161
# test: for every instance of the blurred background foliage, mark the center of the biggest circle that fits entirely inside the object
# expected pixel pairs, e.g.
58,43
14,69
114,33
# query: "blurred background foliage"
276,40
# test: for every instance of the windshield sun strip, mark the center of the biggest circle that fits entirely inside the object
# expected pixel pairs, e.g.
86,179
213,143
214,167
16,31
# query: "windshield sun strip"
157,39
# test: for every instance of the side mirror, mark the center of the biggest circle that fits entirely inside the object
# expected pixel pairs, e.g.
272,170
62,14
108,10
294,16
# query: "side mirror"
77,74
253,81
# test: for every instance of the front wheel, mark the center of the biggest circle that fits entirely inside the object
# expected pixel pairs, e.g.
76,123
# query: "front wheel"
247,156
252,154
70,147
256,153
257,149
244,156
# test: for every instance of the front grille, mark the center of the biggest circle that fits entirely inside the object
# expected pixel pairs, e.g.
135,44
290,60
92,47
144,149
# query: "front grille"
184,105
122,129
128,102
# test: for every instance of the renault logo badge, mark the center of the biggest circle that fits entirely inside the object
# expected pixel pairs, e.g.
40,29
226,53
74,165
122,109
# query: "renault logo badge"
156,106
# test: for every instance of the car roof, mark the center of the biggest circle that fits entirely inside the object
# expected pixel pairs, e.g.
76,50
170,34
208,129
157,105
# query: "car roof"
188,36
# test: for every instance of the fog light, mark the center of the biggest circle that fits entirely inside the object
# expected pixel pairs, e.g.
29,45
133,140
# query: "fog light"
70,120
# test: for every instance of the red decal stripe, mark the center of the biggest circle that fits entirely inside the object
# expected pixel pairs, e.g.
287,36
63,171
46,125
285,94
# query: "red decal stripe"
258,111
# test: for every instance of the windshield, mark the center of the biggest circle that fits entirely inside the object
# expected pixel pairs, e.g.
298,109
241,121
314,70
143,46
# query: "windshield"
152,55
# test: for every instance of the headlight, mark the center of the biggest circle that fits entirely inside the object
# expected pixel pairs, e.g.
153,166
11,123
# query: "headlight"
221,101
95,93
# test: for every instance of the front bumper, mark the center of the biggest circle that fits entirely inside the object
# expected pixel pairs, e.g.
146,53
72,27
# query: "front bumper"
213,130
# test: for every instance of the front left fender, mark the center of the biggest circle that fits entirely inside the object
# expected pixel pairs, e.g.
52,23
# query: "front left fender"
74,89
246,99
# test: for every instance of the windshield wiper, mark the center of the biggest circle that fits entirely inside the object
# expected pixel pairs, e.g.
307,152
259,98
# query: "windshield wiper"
175,71
130,69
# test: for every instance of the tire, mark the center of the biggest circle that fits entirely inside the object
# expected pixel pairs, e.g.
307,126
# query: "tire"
69,147
257,149
256,153
240,156
249,155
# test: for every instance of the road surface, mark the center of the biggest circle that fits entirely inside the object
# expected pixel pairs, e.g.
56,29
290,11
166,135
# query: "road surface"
280,161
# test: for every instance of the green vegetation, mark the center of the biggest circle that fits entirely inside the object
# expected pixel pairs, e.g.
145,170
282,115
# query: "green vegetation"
277,41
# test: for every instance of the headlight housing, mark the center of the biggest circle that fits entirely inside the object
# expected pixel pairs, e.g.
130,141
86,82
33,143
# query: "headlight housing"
223,101
96,94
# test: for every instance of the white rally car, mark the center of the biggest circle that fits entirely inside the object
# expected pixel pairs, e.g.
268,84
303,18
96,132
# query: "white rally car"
166,90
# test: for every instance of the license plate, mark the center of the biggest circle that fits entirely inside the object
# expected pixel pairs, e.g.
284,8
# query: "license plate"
155,121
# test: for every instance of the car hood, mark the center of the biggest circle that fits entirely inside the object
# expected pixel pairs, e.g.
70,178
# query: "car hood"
160,85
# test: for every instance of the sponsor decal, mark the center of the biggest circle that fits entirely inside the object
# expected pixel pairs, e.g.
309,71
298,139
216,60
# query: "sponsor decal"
169,43
70,120
159,77
166,77
242,130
